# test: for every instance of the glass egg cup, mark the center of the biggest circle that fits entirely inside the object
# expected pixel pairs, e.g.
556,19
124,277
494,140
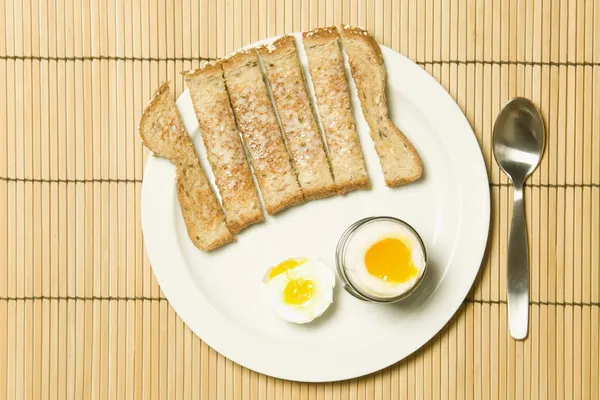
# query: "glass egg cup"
340,258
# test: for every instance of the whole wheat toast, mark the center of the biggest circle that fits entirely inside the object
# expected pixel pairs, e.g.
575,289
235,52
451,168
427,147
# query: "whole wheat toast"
224,147
300,128
399,160
257,122
326,66
162,132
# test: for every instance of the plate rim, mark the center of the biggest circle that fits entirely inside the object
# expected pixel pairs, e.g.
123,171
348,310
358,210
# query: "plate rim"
234,350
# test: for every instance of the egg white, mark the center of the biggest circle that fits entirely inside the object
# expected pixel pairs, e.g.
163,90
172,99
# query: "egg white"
323,280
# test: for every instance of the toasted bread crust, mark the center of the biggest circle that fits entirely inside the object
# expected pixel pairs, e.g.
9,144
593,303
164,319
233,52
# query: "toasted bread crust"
224,147
326,67
237,61
163,133
356,32
399,160
206,69
202,214
321,35
300,128
283,45
258,124
165,143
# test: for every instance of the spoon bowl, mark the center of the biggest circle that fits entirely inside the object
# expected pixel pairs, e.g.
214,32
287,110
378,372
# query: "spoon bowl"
518,144
519,139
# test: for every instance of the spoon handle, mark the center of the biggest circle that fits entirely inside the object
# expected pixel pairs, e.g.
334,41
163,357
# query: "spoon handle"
518,270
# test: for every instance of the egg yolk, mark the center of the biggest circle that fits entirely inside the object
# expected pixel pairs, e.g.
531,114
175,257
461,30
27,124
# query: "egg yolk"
298,292
390,260
286,265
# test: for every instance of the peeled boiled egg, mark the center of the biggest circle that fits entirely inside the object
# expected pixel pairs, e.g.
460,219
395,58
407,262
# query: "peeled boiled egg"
299,289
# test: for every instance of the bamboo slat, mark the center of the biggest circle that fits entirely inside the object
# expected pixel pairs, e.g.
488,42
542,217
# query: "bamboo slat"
81,315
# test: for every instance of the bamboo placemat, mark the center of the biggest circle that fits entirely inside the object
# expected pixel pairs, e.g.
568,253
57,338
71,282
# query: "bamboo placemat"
80,312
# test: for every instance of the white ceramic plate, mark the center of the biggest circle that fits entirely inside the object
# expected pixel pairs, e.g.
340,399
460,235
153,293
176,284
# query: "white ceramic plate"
220,295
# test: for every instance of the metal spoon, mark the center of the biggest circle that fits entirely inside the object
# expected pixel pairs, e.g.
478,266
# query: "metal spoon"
519,140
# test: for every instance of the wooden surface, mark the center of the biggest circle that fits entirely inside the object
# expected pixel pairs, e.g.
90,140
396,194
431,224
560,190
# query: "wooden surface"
81,315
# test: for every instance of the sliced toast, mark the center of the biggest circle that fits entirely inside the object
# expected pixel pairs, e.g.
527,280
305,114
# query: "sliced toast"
162,132
300,128
326,66
257,122
224,147
399,160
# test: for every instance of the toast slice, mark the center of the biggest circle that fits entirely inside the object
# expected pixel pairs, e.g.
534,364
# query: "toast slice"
399,160
162,132
326,66
300,128
224,147
257,122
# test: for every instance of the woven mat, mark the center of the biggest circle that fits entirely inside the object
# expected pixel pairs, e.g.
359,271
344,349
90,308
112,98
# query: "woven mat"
80,312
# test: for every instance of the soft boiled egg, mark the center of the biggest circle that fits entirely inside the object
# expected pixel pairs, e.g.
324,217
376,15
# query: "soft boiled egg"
300,289
384,258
